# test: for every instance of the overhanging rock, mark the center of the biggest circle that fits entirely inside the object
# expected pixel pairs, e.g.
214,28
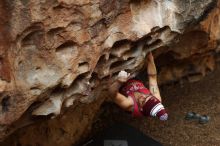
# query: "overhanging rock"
58,53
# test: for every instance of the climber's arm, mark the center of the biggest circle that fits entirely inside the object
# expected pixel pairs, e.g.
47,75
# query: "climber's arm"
152,75
125,103
121,100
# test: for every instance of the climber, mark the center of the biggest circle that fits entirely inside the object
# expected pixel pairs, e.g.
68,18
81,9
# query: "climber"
133,96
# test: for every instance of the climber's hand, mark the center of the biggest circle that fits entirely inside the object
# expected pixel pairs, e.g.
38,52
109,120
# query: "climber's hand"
113,87
123,76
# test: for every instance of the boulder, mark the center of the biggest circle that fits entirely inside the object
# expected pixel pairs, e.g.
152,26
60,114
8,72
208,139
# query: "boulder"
58,57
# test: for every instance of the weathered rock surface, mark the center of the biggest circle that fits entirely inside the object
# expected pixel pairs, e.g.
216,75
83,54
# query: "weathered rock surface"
57,56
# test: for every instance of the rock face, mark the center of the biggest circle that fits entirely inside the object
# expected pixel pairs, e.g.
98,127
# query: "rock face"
57,57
